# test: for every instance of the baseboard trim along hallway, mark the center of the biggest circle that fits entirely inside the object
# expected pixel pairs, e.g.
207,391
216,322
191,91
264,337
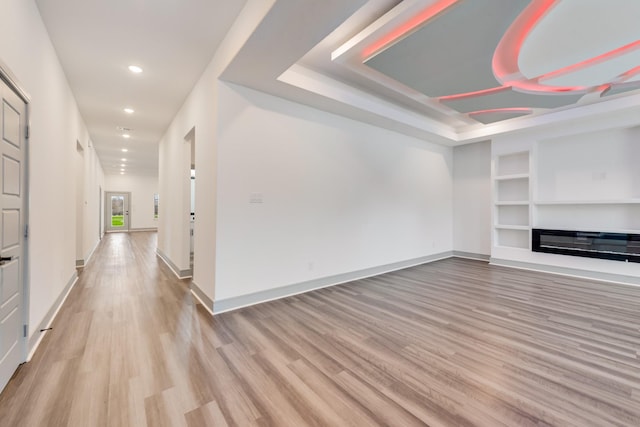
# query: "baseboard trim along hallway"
36,337
180,274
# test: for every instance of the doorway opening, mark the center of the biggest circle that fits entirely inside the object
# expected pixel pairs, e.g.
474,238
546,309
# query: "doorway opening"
100,224
117,211
79,204
190,151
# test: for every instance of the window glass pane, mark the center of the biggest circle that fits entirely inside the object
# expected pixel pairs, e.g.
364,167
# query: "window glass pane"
117,211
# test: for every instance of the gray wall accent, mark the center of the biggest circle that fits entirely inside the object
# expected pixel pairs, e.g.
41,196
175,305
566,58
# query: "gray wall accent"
469,255
234,303
181,274
206,301
566,271
46,321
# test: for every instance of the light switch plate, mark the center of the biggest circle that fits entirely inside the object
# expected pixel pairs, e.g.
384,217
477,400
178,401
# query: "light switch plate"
255,198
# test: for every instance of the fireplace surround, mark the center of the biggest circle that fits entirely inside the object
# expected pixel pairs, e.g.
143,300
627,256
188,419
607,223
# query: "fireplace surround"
604,245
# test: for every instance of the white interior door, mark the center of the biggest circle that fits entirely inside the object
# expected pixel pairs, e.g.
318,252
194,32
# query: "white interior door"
12,221
117,211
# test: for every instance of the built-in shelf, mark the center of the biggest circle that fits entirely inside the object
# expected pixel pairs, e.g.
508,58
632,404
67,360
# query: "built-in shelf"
516,203
588,202
615,216
511,211
512,237
513,176
512,164
513,248
511,227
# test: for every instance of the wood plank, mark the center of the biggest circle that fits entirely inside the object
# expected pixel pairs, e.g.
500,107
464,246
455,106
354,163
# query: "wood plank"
453,342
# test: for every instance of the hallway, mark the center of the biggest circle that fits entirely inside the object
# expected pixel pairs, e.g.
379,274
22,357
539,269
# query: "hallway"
453,342
123,334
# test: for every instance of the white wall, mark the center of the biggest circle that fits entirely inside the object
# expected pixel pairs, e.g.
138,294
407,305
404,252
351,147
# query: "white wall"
198,113
94,181
337,195
56,125
472,198
591,166
142,189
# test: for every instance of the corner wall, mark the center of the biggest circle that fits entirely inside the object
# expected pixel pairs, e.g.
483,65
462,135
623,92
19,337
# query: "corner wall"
472,199
198,113
56,125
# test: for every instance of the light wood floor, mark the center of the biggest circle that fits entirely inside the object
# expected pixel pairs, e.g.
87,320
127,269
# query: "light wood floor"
450,343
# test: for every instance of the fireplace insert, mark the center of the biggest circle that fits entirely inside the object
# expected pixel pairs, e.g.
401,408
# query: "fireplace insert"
614,246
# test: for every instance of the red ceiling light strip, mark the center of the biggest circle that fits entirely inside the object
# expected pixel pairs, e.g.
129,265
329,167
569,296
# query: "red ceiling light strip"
502,110
475,94
592,61
628,74
505,58
404,29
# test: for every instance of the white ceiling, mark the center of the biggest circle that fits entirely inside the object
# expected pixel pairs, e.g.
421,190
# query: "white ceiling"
172,40
316,53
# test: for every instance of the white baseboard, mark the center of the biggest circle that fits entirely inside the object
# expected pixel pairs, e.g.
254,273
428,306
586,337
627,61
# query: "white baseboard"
36,337
234,303
135,230
568,272
83,262
206,302
470,255
180,274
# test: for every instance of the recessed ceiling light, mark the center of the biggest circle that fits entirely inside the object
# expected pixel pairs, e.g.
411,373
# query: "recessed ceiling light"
124,160
135,69
121,173
129,110
124,150
126,136
123,165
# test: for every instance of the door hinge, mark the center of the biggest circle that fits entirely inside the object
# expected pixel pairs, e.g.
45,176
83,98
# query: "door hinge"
26,231
25,330
26,132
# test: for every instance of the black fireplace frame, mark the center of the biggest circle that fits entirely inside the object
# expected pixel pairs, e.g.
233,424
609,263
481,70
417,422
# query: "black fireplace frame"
589,242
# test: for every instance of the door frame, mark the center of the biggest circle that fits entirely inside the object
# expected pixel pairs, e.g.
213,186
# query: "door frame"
14,84
107,207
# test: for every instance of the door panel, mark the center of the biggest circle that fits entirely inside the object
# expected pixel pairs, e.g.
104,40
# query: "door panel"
117,211
12,145
10,176
11,125
10,228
